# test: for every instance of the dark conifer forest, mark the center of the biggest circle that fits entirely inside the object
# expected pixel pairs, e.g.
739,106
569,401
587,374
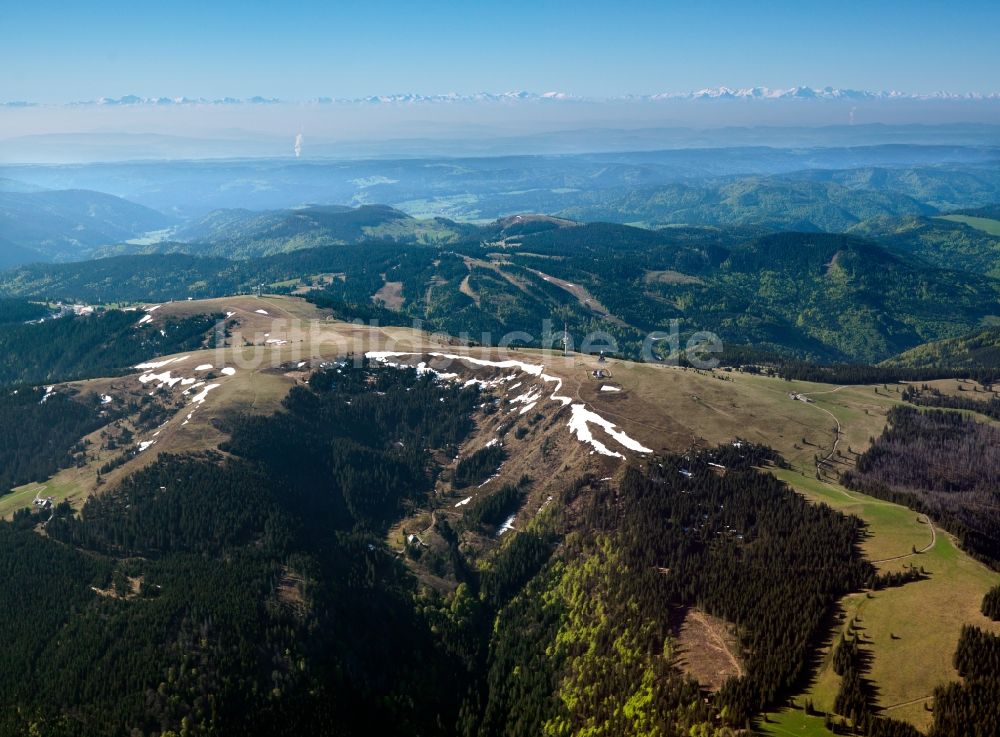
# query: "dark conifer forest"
943,463
40,432
20,310
83,346
969,708
239,596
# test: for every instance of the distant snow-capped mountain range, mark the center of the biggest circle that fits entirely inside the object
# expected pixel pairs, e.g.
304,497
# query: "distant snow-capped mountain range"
813,93
711,93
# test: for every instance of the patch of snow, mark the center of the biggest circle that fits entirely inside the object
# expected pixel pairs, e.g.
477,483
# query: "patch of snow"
228,371
423,368
609,388
106,399
300,364
275,341
579,424
200,397
164,378
203,367
230,314
493,442
489,384
464,502
145,444
527,408
529,397
187,382
261,312
48,393
507,525
145,319
152,308
160,364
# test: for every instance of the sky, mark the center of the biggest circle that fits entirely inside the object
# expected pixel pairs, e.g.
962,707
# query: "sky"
56,52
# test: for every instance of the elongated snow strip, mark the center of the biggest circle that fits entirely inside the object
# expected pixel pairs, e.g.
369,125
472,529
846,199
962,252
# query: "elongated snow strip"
160,364
579,424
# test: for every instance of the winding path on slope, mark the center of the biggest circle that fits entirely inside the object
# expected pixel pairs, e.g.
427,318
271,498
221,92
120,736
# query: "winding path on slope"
830,455
840,431
924,549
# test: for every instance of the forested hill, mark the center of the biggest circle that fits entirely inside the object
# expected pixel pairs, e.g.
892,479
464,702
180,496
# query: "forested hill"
247,234
811,295
126,279
977,349
68,224
789,202
84,346
256,593
251,595
20,310
821,294
990,212
943,243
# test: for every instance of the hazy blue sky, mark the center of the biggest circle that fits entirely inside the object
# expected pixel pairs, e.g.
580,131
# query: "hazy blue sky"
63,51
